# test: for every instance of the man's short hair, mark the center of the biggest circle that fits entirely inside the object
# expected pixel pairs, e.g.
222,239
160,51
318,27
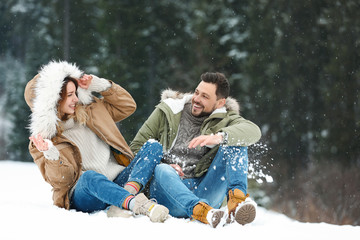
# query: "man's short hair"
219,79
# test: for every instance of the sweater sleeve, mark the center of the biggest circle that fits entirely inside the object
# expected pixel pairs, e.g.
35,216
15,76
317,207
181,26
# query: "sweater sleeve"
97,85
52,153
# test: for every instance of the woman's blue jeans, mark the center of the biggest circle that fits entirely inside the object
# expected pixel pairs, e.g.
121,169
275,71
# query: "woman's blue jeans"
94,191
228,171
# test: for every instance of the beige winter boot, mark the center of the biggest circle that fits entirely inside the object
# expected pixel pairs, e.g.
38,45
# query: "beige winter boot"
144,206
115,211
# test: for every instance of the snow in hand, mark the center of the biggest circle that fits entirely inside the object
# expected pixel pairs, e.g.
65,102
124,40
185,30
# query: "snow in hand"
27,212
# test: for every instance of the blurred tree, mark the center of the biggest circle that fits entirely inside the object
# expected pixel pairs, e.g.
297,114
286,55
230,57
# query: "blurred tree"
13,60
283,43
292,55
340,87
145,51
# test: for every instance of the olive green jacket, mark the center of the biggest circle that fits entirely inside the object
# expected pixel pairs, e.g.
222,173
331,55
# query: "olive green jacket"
163,123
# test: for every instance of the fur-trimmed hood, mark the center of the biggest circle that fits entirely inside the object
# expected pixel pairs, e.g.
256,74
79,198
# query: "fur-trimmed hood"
173,99
42,94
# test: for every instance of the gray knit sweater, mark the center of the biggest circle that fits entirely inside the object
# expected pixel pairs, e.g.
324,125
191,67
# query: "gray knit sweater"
180,153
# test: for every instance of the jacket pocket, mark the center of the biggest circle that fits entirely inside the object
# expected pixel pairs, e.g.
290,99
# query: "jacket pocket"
59,174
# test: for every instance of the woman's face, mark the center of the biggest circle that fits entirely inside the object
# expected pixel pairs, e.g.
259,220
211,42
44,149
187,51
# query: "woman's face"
67,105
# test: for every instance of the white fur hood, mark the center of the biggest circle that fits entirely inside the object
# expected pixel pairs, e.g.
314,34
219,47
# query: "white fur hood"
43,93
176,101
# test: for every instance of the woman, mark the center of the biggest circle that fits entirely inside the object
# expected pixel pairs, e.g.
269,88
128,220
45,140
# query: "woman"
78,147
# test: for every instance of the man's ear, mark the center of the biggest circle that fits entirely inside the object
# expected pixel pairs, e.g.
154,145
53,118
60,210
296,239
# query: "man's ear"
221,102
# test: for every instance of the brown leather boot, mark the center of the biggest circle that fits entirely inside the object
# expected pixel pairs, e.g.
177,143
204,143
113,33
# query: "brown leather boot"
241,208
208,215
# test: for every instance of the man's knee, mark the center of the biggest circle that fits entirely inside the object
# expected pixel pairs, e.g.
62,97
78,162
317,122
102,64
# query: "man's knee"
235,151
162,169
241,149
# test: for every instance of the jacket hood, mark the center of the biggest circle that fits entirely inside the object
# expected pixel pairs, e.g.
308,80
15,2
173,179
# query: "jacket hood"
42,94
173,99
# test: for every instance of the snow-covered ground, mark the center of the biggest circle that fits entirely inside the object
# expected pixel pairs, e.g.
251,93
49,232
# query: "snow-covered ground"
26,212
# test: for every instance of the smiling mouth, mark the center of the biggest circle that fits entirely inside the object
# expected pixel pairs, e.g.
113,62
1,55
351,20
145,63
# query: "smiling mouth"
197,106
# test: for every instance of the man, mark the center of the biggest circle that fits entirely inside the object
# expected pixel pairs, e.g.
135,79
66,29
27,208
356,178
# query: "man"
205,159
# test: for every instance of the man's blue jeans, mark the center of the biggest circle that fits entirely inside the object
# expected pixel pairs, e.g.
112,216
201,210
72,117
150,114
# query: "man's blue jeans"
228,171
94,191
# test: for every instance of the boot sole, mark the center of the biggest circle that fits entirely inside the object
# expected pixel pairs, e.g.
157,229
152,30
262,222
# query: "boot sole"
217,219
246,214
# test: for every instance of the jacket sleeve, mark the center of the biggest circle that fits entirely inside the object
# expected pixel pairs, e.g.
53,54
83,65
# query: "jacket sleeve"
242,132
118,102
61,173
151,129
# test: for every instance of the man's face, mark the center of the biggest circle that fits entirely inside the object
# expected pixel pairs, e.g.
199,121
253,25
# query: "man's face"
204,100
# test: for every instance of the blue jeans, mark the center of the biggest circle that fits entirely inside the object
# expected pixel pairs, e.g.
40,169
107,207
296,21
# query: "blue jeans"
228,171
94,191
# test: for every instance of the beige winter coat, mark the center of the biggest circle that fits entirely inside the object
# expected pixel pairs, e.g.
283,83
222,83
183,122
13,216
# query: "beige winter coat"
62,174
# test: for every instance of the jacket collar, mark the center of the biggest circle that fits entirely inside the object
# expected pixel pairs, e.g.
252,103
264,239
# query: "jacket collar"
176,101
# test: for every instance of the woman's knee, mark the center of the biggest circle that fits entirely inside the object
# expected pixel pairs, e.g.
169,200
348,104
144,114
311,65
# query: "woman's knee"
87,175
90,177
155,146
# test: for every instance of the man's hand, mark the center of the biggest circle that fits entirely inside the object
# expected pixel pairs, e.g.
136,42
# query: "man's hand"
178,169
205,140
85,81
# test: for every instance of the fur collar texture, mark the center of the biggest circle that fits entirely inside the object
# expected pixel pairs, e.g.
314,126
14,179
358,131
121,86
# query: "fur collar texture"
176,101
46,92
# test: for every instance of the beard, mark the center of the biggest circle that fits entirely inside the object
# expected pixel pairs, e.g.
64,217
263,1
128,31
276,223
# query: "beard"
201,113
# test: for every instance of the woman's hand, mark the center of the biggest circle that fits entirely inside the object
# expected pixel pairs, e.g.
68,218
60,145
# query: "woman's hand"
85,81
39,142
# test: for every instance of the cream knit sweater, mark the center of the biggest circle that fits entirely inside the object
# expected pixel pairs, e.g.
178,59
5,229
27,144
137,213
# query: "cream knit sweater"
95,154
